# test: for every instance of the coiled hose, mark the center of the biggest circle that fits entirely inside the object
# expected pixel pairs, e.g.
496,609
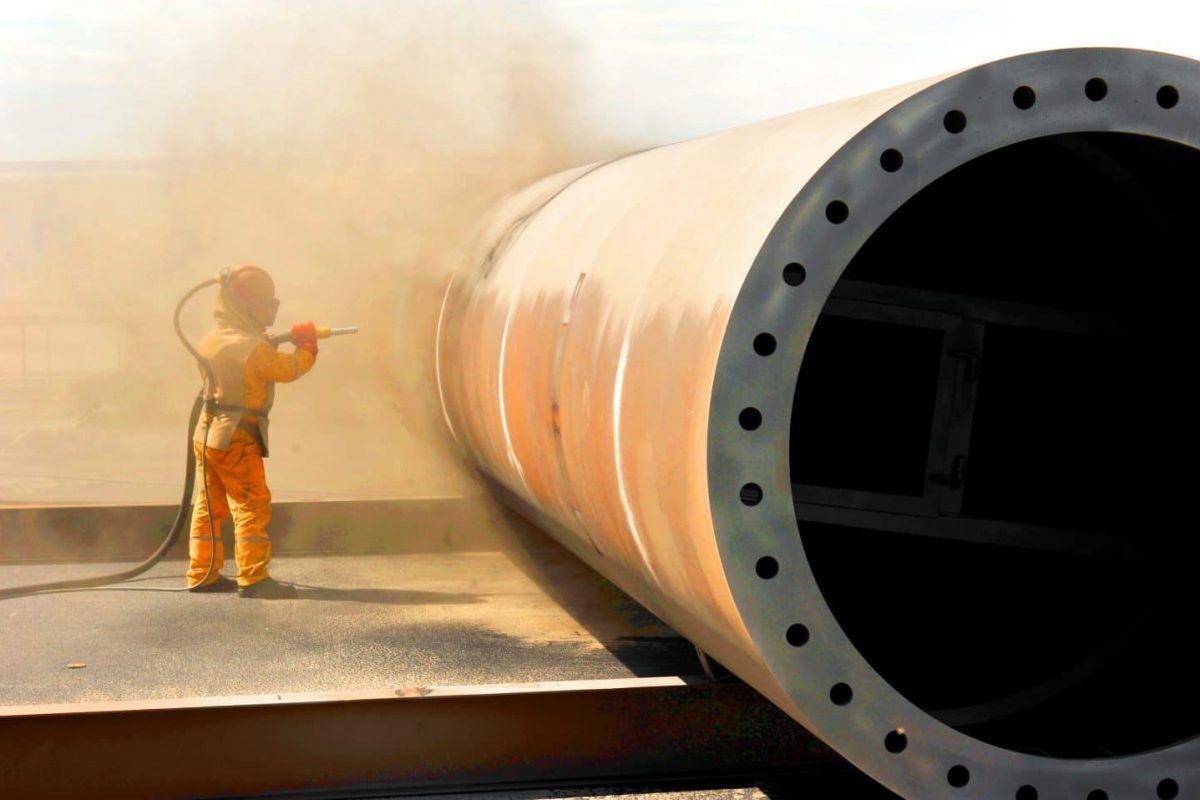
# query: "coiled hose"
185,502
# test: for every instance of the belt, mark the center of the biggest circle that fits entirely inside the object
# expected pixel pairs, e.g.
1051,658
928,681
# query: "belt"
253,428
214,408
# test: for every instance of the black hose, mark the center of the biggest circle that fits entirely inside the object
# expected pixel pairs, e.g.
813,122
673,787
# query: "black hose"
210,378
185,502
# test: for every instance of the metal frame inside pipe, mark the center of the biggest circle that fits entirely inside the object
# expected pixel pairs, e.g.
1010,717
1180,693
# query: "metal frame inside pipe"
620,356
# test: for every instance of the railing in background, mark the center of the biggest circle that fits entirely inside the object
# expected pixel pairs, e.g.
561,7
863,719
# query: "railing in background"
44,347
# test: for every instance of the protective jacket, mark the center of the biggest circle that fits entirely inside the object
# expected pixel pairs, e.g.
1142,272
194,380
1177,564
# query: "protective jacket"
246,367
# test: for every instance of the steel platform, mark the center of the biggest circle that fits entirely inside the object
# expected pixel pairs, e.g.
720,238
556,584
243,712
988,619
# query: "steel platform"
428,651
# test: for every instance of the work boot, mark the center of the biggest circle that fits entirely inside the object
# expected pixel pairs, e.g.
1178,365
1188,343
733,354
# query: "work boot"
268,589
221,585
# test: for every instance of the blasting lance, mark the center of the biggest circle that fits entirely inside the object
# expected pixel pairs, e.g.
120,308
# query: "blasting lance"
322,333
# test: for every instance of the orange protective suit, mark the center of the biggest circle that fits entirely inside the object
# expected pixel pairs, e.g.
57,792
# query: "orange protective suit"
247,367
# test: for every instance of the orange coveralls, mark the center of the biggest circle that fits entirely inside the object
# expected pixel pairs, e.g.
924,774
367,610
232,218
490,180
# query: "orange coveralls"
247,367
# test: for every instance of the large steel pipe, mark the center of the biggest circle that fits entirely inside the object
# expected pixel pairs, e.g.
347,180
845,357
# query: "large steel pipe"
882,405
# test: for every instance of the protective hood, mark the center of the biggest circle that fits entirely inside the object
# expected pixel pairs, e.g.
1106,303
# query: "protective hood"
229,314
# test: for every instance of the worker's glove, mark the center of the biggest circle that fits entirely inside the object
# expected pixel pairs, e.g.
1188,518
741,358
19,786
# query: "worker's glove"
304,336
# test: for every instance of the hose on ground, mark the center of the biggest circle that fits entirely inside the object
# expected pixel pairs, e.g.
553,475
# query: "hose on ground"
185,502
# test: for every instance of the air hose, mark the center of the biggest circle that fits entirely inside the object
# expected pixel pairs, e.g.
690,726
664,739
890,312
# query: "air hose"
185,502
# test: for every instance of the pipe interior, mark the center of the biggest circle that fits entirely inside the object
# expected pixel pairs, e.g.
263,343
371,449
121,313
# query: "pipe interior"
993,446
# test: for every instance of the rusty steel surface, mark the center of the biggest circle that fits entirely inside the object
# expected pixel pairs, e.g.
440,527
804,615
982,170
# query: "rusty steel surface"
576,361
596,354
406,740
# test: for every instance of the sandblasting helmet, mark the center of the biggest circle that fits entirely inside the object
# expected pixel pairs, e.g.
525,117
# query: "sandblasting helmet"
254,291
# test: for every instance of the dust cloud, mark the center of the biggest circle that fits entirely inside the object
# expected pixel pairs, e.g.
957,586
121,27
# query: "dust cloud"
349,152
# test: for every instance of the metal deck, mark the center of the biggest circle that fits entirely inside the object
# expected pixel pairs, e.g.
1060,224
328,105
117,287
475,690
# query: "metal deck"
451,656
360,622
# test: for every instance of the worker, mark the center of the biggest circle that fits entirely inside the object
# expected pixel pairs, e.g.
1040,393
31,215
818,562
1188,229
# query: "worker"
246,367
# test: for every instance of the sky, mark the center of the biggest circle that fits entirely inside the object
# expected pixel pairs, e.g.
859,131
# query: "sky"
86,80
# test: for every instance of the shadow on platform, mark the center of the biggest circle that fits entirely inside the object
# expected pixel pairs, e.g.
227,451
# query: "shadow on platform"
396,597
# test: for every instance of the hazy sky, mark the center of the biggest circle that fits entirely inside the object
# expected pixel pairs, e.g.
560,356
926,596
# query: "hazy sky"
84,80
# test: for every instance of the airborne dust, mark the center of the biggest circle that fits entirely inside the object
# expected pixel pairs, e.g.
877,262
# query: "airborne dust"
348,152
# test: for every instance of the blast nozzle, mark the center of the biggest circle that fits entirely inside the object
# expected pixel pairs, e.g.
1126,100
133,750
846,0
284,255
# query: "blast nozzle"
322,333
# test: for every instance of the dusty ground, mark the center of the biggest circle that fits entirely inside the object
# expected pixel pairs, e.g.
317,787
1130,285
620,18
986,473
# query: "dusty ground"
360,622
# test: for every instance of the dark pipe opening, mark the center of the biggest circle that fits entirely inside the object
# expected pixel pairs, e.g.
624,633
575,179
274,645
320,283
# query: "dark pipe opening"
994,445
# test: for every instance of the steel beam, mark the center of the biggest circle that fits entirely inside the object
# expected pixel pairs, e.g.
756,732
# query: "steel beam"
400,741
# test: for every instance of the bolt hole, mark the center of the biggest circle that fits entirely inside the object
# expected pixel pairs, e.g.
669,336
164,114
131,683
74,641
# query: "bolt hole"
750,419
1027,792
797,635
895,742
794,274
751,494
1168,97
767,568
841,694
955,121
764,344
1024,97
837,212
958,776
891,160
1168,789
1097,794
1096,89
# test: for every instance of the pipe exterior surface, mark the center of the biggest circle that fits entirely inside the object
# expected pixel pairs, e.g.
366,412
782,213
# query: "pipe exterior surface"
597,312
596,352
